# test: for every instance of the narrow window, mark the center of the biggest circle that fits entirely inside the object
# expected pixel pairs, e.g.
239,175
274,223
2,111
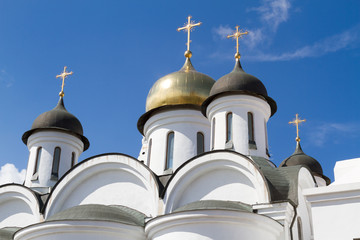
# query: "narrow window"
149,152
169,150
72,159
251,128
213,134
56,162
228,127
200,142
37,161
266,136
266,139
299,225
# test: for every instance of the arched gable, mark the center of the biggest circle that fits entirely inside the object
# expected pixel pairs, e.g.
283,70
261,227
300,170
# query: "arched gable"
218,175
19,206
108,179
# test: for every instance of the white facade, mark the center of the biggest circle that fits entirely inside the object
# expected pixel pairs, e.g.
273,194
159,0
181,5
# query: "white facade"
40,169
240,106
185,124
337,206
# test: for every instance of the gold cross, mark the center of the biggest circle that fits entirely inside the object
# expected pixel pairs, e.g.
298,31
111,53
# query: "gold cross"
238,34
296,122
187,28
63,75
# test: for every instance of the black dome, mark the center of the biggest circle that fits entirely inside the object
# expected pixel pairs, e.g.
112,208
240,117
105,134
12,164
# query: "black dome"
239,82
58,119
300,158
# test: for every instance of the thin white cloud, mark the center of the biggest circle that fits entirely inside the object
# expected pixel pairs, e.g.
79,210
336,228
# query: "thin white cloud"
5,79
222,31
273,12
330,44
254,38
326,132
10,174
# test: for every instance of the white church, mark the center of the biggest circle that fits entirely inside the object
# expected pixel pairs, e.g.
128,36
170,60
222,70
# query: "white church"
203,173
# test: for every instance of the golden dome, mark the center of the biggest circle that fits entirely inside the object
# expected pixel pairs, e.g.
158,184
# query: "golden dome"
187,86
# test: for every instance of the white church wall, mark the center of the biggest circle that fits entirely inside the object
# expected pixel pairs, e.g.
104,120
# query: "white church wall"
335,211
282,212
185,124
240,105
19,207
347,171
49,140
80,230
216,176
303,210
108,180
213,225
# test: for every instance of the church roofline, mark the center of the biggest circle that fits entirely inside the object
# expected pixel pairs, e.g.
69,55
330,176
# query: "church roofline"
208,153
157,182
36,195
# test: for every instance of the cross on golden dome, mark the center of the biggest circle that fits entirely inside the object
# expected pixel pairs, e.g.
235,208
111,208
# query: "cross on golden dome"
187,28
63,75
237,34
296,122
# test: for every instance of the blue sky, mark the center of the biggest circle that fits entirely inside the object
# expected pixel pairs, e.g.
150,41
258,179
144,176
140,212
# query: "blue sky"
305,52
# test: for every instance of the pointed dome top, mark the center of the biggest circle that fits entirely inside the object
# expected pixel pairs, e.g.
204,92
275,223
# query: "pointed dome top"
239,82
300,158
58,119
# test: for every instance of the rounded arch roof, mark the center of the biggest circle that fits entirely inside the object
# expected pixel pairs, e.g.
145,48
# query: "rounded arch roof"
97,180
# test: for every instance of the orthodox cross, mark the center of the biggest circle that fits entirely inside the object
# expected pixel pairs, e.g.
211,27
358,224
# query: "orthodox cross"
238,34
63,75
296,122
187,28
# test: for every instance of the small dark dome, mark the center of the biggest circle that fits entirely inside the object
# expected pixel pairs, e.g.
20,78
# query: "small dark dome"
58,119
300,158
97,212
239,82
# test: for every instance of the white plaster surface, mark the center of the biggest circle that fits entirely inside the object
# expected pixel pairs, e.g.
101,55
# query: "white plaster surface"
49,140
240,105
213,225
347,171
216,176
107,180
18,207
185,124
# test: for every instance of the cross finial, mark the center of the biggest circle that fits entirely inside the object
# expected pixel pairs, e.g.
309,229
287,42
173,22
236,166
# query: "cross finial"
296,122
63,75
188,28
237,34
